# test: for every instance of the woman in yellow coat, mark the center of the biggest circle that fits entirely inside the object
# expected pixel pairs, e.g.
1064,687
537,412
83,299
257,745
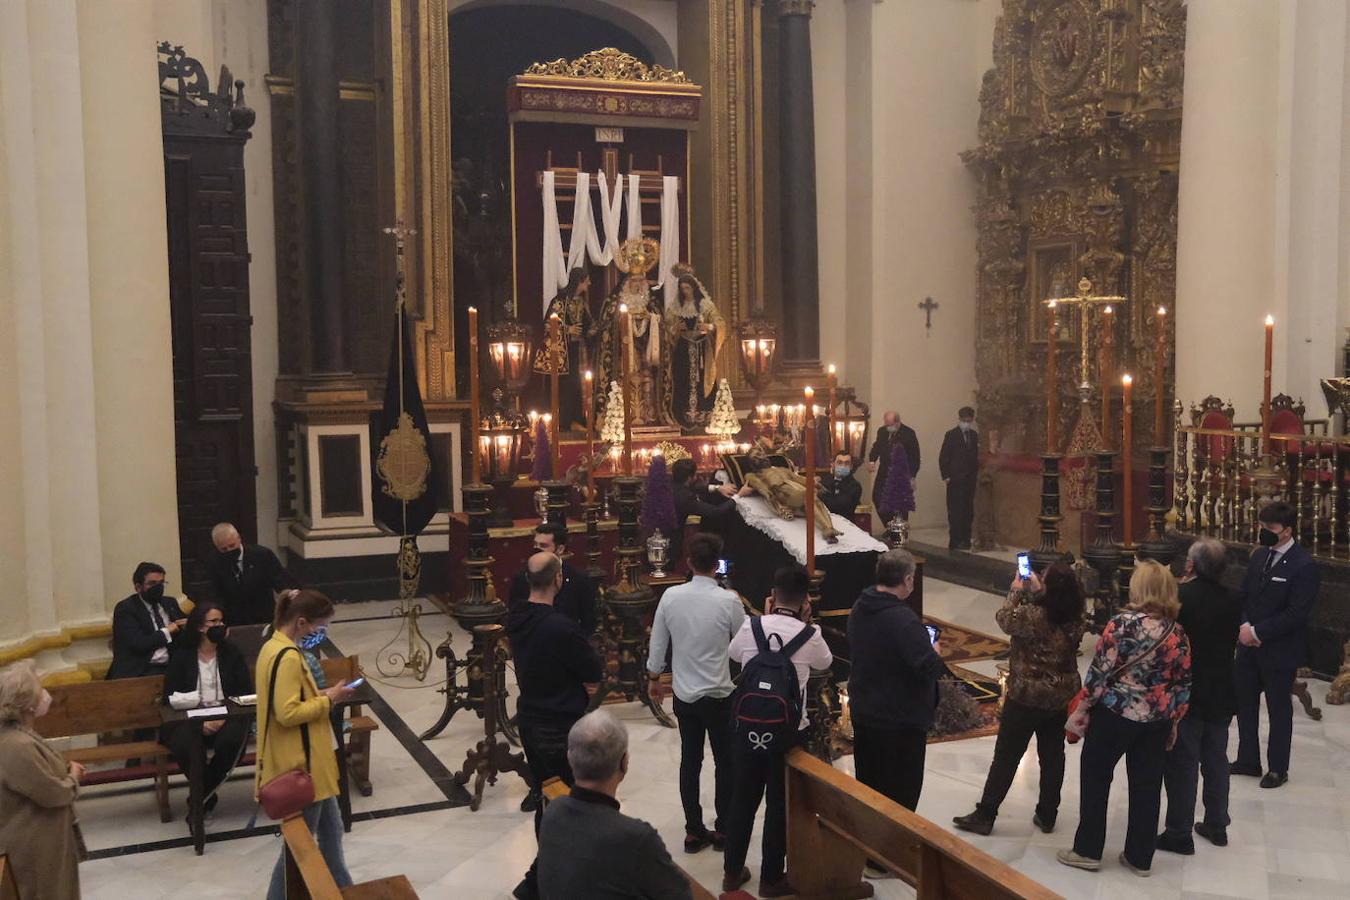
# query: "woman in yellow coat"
38,832
298,707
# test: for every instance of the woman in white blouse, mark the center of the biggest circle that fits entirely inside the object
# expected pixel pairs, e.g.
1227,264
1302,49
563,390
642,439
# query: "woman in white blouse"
204,669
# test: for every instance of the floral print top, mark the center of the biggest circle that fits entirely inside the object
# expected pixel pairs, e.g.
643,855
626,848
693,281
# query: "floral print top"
1155,689
1043,660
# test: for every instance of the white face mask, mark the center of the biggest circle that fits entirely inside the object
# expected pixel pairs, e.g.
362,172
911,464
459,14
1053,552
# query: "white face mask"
966,426
44,705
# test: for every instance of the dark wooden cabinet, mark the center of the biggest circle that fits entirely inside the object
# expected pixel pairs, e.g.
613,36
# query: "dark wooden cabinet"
204,137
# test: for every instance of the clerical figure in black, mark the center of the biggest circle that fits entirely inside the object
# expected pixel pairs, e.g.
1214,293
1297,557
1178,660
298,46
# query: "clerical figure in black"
959,463
245,578
879,457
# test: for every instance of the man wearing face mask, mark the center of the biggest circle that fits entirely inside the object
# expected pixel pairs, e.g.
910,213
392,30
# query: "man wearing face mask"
879,457
1277,599
144,624
839,490
245,578
959,463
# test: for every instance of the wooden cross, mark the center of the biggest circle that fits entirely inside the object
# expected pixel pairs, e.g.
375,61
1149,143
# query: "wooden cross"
928,305
1084,300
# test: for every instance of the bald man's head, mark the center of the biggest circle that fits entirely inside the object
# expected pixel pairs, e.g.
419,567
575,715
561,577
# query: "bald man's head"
543,571
891,419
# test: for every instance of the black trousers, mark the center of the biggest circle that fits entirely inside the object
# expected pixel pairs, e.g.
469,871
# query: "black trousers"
1016,726
545,746
960,510
1255,677
1144,746
1201,749
224,748
710,717
890,761
758,776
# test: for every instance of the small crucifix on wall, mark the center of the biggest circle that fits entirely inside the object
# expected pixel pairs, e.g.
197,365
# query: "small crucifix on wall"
928,305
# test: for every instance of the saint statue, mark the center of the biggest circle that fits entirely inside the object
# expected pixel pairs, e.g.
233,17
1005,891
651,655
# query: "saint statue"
571,356
695,331
786,492
647,370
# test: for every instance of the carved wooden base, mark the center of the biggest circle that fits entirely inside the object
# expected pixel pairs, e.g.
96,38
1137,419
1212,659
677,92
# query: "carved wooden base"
1339,692
491,756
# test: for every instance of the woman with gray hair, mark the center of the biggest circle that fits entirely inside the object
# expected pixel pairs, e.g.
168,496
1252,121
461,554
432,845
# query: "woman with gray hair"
1211,615
587,848
38,831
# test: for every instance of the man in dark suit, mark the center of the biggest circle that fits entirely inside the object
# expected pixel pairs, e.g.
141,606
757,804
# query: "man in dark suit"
1210,615
839,490
710,501
576,598
959,463
587,848
245,579
879,457
1277,598
143,626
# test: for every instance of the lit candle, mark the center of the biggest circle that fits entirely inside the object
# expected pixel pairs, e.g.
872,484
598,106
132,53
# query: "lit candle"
1126,449
833,381
1051,385
1105,376
1159,373
810,439
587,402
555,338
627,392
476,463
1265,390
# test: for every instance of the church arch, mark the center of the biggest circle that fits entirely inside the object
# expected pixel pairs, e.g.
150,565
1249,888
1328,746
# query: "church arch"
660,47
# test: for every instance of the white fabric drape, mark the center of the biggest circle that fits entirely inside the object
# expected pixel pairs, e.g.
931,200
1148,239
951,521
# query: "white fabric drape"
555,264
670,236
611,205
583,225
758,514
634,206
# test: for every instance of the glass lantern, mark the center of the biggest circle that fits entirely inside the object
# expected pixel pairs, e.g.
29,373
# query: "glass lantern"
509,346
658,553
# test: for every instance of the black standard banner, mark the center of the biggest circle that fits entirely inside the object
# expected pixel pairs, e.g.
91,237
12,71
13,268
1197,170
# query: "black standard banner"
403,485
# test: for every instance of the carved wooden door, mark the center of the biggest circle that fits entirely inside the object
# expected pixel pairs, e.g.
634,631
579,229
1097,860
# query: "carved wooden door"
212,358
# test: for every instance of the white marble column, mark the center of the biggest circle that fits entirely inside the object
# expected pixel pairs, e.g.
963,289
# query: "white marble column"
128,293
1227,200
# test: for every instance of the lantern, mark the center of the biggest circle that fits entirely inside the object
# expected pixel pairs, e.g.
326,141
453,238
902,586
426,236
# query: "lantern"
509,349
759,343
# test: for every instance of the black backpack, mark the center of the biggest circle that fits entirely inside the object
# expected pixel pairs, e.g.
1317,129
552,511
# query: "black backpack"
766,709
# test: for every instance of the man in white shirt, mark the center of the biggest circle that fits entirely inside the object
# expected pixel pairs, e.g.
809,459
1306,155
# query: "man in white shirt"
695,622
786,613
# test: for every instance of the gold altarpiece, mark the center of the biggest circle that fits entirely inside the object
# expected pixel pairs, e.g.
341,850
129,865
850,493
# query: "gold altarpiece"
1080,126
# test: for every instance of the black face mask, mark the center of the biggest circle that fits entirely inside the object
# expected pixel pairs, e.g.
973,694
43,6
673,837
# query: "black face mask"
154,593
233,555
215,634
1268,538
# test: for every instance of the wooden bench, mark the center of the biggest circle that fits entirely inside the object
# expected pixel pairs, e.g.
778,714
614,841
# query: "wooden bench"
348,668
556,787
103,707
9,890
308,878
835,824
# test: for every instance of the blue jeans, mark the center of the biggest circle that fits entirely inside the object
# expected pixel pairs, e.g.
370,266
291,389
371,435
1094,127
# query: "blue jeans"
325,823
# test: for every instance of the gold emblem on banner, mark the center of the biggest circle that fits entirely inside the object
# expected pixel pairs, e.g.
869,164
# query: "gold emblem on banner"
403,464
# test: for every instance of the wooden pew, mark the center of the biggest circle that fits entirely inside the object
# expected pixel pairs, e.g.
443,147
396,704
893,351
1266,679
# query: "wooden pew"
308,878
835,824
101,707
348,668
9,890
556,787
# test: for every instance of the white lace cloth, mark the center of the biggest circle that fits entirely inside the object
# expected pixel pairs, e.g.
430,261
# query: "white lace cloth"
791,533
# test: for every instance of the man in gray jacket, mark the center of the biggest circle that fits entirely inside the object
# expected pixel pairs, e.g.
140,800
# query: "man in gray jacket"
587,848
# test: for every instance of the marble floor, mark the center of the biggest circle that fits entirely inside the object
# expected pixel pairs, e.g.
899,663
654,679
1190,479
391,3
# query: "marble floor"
1294,842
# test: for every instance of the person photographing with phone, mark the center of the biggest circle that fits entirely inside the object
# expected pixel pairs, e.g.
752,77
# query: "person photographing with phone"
1045,623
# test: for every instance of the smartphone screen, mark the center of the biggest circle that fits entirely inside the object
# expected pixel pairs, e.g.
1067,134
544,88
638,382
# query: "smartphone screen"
357,683
1024,566
933,632
722,567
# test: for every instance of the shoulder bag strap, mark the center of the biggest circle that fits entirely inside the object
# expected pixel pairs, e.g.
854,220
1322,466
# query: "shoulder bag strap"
271,701
1140,657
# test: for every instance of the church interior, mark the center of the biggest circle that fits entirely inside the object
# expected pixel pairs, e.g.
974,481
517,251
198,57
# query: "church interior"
368,292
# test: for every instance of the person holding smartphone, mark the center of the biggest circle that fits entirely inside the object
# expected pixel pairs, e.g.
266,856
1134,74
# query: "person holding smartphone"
1046,624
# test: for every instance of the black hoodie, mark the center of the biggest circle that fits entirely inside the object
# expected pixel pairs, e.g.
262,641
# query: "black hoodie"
554,663
893,682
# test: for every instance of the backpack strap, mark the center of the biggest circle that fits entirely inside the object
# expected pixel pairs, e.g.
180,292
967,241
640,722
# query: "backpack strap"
807,632
757,629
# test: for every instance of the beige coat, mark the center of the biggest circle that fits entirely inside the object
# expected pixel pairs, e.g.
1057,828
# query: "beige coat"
37,817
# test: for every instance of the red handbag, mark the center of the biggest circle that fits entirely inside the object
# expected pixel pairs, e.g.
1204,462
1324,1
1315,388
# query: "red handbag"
290,792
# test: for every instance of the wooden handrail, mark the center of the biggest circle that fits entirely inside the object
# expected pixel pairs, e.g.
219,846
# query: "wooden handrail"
308,878
9,889
835,824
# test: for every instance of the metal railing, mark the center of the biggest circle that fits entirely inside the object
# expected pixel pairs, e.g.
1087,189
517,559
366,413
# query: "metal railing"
1221,479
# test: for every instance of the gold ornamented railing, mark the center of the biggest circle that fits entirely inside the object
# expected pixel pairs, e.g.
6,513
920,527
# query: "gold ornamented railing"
1221,481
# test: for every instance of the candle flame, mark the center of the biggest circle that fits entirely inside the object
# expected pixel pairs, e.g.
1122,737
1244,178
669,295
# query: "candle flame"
1270,321
589,376
1162,310
1108,310
831,369
810,392
473,309
623,307
1126,380
1053,304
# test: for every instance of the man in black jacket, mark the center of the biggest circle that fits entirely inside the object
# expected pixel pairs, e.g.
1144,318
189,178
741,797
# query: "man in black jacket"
1210,615
1277,599
144,624
554,663
710,501
245,579
587,848
892,687
576,599
839,490
959,463
879,457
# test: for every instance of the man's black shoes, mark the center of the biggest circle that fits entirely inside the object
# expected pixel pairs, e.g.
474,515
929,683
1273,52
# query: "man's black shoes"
1274,779
1216,836
1045,825
1185,846
1238,768
974,823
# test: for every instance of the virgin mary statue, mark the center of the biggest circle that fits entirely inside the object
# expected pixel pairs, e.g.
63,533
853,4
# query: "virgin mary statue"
695,331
